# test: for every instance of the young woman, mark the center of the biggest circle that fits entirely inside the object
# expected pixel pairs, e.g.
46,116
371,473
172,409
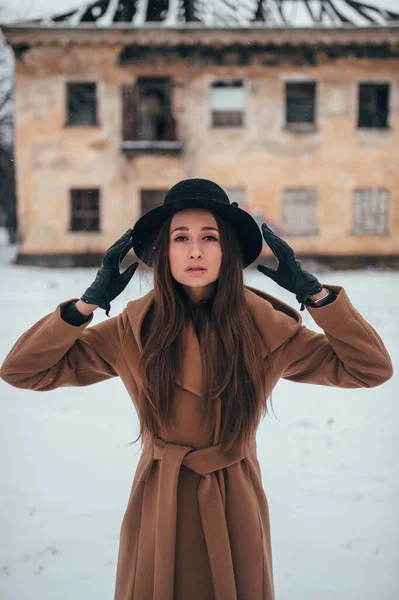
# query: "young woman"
199,355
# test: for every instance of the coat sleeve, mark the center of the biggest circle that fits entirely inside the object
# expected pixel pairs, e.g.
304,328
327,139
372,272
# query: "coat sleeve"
53,353
349,354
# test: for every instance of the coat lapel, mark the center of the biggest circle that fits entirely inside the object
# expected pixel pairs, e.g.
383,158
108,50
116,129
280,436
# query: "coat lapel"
191,370
275,321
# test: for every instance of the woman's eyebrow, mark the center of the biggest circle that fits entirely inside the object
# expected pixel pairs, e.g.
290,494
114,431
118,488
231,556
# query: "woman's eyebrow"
184,228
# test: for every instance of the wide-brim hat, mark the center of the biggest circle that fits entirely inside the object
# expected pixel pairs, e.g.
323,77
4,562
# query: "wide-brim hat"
200,193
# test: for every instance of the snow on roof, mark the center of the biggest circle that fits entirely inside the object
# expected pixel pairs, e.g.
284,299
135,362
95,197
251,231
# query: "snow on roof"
229,13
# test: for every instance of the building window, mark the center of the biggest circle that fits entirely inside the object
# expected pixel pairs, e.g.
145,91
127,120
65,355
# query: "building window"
85,209
299,211
151,199
373,103
370,211
236,195
227,103
147,112
300,105
81,104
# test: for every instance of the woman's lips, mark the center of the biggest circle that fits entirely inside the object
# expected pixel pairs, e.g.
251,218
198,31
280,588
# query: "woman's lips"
194,271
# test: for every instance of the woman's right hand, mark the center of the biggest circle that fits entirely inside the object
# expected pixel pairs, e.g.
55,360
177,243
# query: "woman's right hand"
109,281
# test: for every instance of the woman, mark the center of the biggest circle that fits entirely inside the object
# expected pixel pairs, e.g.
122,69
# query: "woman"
199,355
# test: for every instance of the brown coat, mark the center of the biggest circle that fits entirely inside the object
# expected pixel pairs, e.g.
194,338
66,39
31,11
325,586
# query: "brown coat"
197,526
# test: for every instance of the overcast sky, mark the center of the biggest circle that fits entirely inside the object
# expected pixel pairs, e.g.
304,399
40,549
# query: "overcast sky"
36,8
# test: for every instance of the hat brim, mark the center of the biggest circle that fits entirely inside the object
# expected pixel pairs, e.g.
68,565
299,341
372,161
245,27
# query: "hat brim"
246,228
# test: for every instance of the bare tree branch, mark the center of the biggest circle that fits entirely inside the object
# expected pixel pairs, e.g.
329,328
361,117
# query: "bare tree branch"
7,176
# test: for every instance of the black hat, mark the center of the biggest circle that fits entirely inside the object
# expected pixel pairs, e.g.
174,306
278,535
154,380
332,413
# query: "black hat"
200,193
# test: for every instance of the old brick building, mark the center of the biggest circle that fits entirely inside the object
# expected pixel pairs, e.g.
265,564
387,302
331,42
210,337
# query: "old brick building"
299,124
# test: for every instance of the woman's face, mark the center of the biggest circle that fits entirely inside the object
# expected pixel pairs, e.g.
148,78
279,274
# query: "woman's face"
194,241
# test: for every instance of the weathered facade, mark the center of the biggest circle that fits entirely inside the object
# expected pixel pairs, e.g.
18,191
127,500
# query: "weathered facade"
300,124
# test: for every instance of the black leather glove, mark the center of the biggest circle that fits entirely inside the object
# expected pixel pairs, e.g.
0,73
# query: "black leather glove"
289,273
109,281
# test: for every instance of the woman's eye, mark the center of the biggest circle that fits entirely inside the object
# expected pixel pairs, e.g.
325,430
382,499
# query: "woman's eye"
183,237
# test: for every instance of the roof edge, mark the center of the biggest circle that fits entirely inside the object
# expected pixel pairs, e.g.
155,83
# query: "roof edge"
189,26
189,34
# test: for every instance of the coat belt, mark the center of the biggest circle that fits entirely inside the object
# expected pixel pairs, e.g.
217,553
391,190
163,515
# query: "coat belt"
206,462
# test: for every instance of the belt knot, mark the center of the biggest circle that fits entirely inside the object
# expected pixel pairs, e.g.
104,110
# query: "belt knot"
203,460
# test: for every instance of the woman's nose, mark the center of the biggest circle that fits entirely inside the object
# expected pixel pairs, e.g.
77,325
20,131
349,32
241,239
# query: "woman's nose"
195,251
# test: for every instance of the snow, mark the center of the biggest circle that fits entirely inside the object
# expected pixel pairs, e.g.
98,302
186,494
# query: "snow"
212,13
328,459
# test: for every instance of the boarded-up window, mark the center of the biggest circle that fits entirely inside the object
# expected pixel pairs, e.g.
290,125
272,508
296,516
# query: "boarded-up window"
151,199
147,113
299,211
81,104
236,194
373,105
227,103
370,211
85,209
300,103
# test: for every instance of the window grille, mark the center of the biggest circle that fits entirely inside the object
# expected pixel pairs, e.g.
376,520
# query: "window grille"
300,103
373,105
81,104
85,209
227,100
299,212
370,211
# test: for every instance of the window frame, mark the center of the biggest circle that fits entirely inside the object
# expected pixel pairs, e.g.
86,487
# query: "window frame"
311,234
385,214
375,83
237,193
301,126
72,192
130,124
243,123
79,81
142,191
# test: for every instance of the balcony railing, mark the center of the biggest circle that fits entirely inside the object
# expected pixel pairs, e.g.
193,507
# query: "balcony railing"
152,147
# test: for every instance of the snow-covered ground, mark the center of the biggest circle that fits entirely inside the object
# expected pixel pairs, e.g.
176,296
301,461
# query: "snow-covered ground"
329,462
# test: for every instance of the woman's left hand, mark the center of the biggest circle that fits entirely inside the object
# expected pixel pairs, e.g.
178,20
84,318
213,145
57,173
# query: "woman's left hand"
289,273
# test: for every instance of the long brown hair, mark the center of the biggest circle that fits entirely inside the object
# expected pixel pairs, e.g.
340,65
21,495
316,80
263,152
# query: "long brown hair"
232,365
